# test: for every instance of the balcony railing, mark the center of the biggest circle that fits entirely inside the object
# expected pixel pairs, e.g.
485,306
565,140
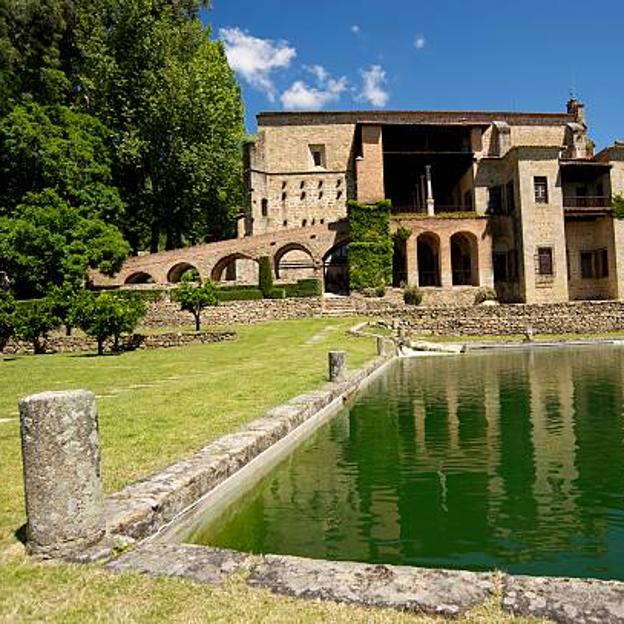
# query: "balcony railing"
598,202
411,209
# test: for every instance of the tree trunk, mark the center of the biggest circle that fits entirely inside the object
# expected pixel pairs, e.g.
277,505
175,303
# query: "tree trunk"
68,330
197,320
100,346
155,238
37,346
116,343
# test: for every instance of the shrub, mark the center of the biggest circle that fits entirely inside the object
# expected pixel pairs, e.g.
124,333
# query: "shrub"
194,297
277,293
412,295
265,282
35,322
239,294
7,318
308,287
618,206
107,316
485,294
380,291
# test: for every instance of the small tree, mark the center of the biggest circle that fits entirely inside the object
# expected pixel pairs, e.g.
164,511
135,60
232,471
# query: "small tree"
194,298
265,282
34,322
62,301
7,318
108,316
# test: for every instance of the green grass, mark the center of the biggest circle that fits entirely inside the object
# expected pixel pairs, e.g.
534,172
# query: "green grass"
156,407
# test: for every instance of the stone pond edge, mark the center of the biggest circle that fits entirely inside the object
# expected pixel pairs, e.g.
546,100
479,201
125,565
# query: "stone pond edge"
143,508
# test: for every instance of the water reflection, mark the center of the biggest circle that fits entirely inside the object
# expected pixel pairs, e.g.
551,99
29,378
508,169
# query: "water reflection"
507,460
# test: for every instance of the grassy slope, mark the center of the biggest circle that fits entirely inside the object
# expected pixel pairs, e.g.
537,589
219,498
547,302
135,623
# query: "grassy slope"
156,407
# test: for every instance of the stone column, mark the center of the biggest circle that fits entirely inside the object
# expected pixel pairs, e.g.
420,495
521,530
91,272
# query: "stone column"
382,346
430,200
61,459
411,254
337,365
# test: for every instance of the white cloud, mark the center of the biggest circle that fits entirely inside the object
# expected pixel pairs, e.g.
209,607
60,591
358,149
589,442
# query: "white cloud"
355,29
373,90
255,59
302,96
420,42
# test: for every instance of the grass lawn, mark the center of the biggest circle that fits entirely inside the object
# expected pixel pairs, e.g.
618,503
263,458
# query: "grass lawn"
156,407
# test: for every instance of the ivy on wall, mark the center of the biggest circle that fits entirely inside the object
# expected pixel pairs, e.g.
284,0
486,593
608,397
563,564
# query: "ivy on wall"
618,207
370,249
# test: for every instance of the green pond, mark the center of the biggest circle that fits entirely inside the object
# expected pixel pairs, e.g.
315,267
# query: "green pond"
506,460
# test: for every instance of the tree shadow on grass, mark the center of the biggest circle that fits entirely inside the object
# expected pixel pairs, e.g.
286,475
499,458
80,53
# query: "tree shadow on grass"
95,355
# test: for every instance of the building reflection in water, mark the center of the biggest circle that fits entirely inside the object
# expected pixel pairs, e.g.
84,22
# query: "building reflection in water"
510,460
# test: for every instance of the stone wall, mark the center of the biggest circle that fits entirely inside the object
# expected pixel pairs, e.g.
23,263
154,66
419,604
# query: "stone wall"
78,343
165,314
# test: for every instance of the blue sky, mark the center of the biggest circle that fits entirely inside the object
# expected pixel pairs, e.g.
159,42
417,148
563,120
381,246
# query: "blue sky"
525,55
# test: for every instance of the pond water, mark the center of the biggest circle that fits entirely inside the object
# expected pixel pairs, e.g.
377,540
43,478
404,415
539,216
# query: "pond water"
511,461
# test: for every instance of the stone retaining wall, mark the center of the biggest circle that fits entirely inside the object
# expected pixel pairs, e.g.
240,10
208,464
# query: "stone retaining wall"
79,343
574,317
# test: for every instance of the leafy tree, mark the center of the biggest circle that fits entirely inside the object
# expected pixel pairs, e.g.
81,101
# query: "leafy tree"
7,318
63,299
48,242
194,298
151,73
34,322
107,316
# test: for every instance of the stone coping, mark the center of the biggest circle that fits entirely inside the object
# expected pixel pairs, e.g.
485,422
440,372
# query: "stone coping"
145,507
439,592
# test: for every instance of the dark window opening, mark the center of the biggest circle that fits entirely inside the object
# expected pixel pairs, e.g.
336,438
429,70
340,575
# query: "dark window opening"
303,195
338,194
510,198
265,207
545,261
540,185
506,266
304,223
284,196
495,203
285,222
594,264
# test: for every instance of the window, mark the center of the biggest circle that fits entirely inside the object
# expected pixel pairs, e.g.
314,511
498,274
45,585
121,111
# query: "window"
468,201
284,196
265,207
594,264
510,198
505,266
317,153
495,203
540,184
545,261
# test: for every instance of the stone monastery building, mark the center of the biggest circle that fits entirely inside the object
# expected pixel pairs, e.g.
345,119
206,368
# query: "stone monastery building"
514,201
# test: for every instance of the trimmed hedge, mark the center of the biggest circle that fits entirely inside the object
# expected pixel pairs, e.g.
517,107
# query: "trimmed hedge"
277,293
265,281
239,294
308,287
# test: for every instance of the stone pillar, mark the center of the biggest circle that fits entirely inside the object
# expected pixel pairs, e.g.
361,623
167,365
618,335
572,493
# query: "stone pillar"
430,200
382,346
370,166
411,255
446,267
61,458
337,365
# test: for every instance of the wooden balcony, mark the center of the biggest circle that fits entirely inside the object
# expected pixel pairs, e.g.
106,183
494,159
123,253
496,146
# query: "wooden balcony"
587,204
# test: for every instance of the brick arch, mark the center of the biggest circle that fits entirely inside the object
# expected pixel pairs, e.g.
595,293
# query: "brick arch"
428,257
464,248
226,263
299,266
139,277
175,273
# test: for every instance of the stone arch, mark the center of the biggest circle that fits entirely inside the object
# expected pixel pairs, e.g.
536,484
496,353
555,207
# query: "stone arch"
139,277
293,262
465,259
175,273
336,269
236,267
428,255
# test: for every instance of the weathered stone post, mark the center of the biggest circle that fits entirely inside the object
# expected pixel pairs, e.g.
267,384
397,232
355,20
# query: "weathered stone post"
382,346
337,365
61,458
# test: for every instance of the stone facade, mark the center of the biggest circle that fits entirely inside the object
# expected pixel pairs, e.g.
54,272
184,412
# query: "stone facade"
514,201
